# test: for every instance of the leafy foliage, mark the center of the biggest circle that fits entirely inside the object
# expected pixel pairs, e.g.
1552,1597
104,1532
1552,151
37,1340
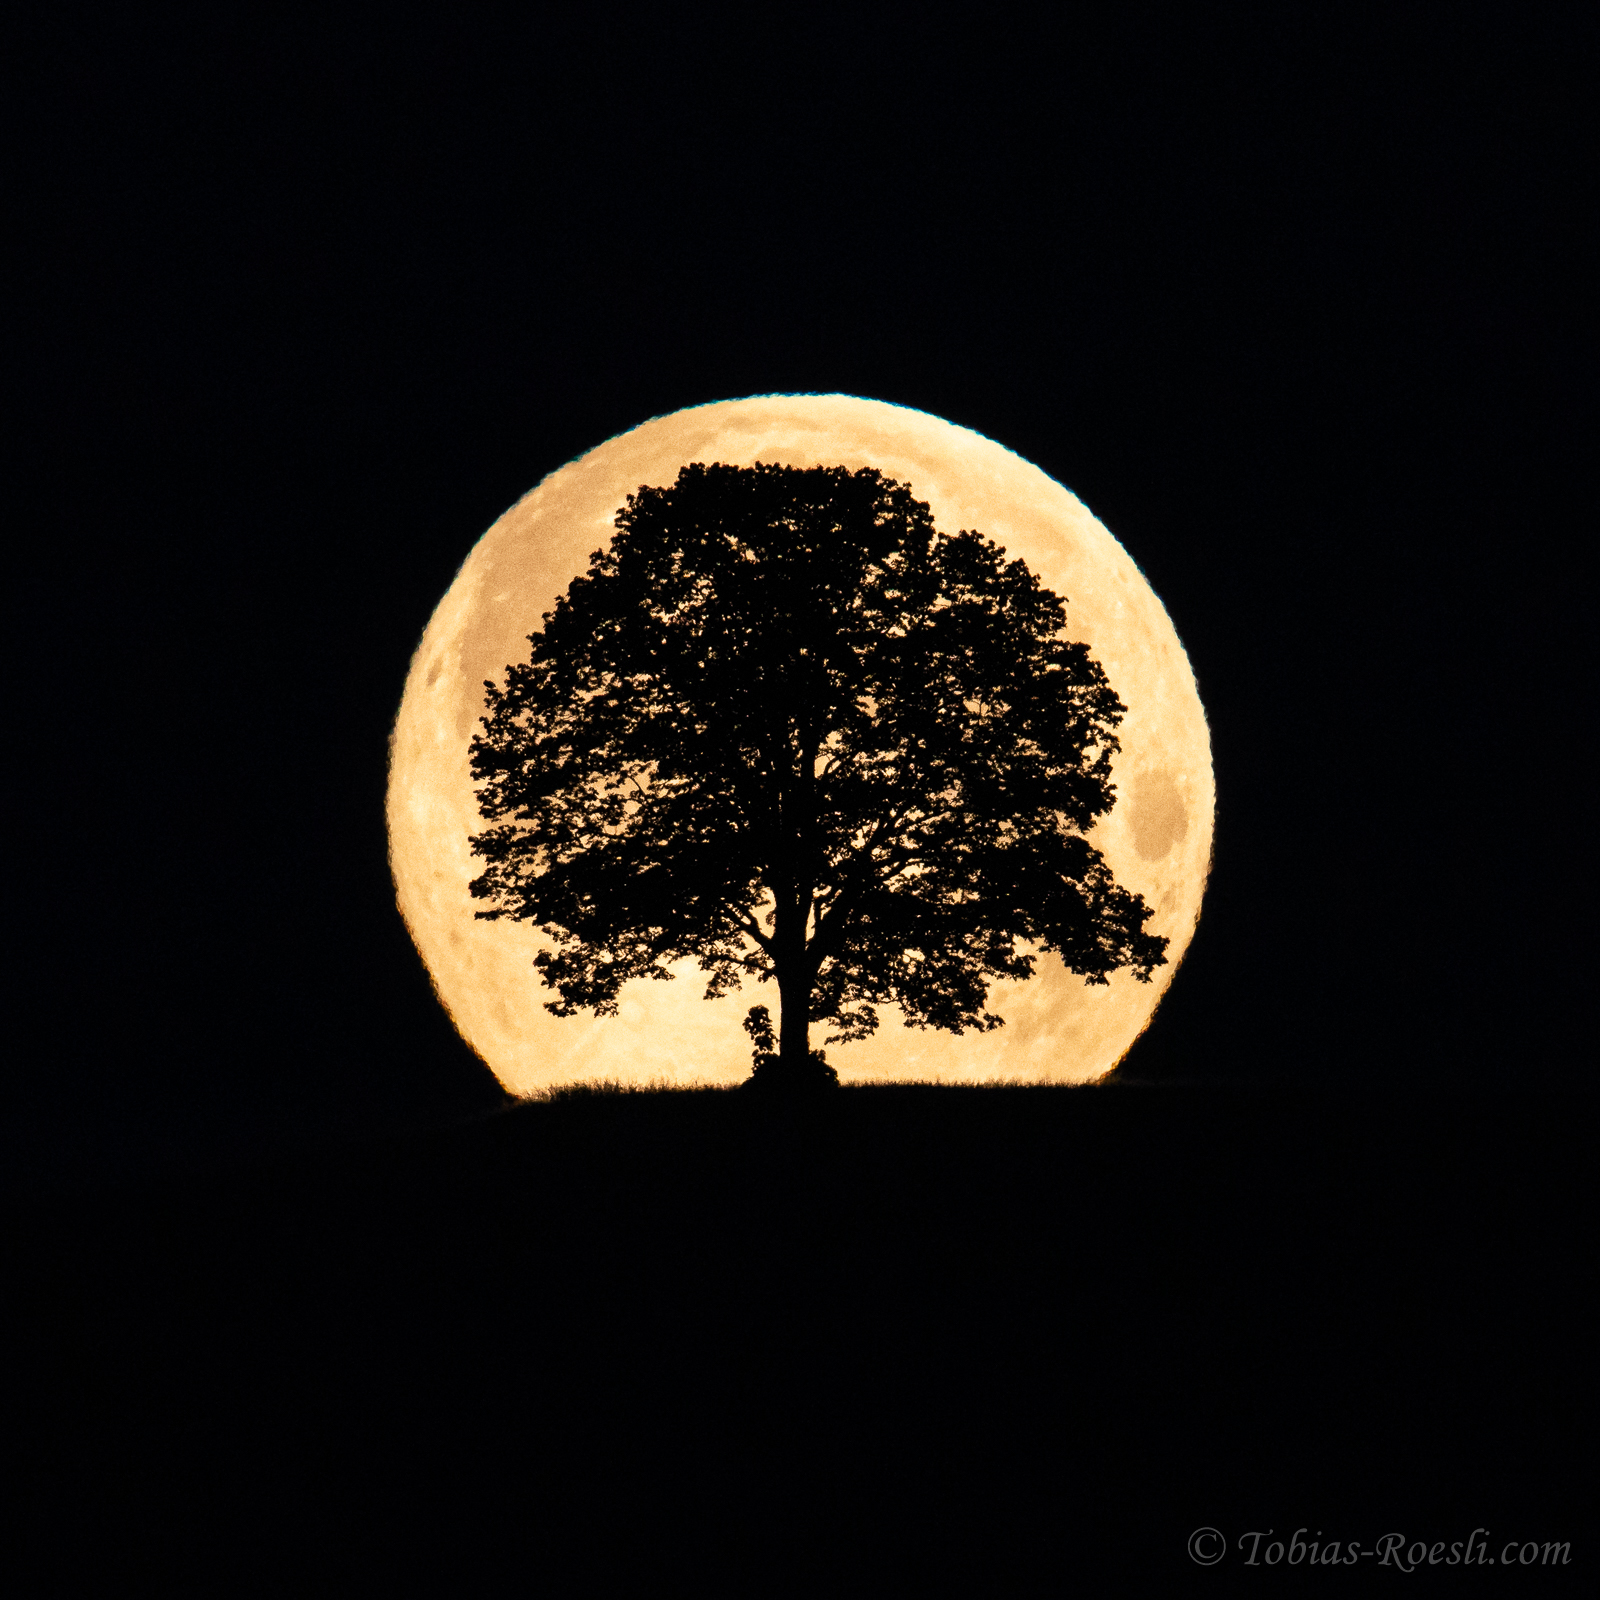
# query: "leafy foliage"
788,729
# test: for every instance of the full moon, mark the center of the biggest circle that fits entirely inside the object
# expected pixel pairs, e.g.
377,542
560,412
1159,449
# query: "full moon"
1156,839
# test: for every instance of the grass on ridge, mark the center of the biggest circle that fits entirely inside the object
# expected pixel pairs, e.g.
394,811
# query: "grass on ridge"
596,1088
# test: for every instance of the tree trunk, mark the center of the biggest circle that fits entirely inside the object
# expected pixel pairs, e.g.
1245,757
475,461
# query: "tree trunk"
797,1065
794,1024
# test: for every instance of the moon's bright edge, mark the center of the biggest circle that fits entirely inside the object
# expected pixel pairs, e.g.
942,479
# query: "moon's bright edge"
1157,838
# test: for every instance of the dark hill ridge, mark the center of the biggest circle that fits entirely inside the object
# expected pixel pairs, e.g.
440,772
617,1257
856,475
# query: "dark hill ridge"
1074,1309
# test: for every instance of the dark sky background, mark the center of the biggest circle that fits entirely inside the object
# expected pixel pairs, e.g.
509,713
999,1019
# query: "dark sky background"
1285,295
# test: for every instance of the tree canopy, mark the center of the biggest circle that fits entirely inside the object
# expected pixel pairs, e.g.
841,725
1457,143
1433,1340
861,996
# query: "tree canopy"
787,728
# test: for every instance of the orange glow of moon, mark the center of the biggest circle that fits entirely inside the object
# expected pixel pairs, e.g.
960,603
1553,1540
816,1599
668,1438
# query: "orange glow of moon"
1157,838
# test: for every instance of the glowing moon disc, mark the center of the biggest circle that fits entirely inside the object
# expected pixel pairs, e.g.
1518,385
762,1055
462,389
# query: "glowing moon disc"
1157,839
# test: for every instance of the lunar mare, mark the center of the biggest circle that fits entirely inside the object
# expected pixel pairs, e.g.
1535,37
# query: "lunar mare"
1157,838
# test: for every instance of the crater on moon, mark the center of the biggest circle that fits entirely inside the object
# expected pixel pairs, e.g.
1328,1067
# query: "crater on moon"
1158,817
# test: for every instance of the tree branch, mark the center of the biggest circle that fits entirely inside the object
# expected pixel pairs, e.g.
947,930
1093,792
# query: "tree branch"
749,926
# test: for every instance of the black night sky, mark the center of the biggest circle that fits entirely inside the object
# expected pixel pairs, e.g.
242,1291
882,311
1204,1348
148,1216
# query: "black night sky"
1286,296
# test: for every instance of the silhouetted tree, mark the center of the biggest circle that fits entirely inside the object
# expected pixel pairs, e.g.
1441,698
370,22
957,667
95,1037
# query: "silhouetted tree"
787,728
